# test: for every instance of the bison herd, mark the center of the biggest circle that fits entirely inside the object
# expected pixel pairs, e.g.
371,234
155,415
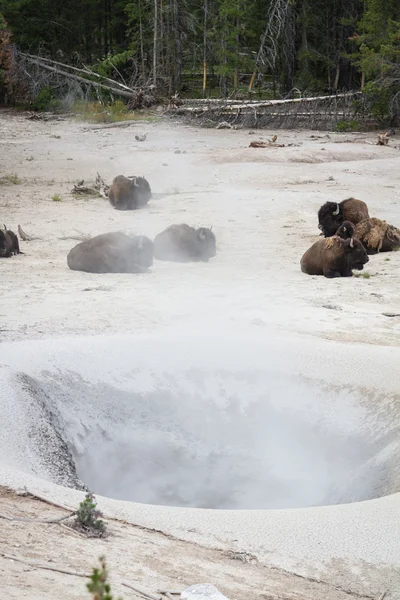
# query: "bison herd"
349,236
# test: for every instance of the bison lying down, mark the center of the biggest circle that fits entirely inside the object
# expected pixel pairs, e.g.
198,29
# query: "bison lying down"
331,215
335,256
377,235
129,193
182,243
9,244
112,253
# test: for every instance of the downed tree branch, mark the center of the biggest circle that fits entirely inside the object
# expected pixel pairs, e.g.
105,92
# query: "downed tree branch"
113,90
86,70
25,237
383,139
45,566
26,492
58,520
142,591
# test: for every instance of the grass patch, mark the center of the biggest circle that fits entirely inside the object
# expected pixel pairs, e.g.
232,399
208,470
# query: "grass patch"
56,198
387,259
364,275
11,179
347,126
96,112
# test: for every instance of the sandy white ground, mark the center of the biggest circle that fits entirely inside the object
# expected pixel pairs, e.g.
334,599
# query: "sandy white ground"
262,204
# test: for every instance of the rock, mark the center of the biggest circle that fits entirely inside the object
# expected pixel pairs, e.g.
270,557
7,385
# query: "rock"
202,591
178,151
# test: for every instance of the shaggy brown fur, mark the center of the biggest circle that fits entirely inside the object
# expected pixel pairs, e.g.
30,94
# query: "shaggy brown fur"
9,243
129,193
112,253
182,243
377,235
334,257
351,209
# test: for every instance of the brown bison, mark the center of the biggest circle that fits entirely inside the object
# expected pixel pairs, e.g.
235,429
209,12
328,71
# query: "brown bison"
112,253
346,230
377,235
9,244
334,257
129,193
331,215
182,243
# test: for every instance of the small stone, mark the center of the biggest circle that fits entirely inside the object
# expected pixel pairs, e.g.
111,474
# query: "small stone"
202,591
330,178
390,314
178,151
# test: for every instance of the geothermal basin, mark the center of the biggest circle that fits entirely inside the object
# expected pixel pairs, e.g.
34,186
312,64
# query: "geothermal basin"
245,425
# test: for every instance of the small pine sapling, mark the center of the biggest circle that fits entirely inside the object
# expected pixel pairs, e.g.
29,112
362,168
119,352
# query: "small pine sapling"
88,517
99,586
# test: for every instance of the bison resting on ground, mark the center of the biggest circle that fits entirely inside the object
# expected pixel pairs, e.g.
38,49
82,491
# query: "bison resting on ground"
9,244
331,215
346,230
182,243
129,193
334,257
112,253
377,235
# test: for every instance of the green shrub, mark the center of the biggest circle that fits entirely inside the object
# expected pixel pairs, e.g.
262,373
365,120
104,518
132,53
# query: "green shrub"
88,517
99,586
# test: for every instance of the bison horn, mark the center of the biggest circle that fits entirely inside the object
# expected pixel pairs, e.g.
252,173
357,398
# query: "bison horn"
352,243
134,182
202,235
336,212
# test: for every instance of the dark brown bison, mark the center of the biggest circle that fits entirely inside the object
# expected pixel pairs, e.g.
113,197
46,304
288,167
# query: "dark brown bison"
182,243
9,244
346,230
331,215
112,253
129,193
377,235
334,257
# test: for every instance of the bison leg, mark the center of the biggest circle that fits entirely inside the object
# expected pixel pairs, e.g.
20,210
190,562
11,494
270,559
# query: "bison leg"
331,273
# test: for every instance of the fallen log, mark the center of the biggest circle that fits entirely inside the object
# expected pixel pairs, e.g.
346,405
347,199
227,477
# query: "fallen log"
58,71
86,70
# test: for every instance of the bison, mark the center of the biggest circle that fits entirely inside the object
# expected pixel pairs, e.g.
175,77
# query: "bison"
129,193
346,230
331,215
112,253
334,257
9,244
182,243
377,235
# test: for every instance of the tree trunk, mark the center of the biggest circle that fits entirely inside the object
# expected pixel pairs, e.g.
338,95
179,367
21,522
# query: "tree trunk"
205,10
155,43
141,42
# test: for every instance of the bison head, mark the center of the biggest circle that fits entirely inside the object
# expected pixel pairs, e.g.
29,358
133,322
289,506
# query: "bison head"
141,189
346,230
207,242
143,252
3,244
356,254
330,217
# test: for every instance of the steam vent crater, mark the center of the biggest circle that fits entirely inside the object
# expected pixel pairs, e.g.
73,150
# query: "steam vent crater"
197,423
